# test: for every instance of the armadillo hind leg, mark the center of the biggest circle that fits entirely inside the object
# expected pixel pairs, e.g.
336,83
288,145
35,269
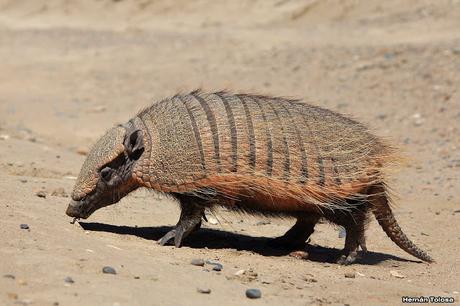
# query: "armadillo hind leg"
189,221
296,237
355,234
354,222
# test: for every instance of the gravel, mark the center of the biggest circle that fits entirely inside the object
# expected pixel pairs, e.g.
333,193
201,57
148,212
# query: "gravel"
350,275
24,226
108,270
216,265
253,293
197,262
69,280
40,194
204,290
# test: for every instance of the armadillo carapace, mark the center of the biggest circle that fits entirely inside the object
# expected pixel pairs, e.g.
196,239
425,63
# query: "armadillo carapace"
252,153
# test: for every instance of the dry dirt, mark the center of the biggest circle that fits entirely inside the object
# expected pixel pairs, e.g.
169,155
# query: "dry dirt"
71,69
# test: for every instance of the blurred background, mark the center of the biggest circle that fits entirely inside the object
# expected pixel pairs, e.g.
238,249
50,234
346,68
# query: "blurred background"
69,70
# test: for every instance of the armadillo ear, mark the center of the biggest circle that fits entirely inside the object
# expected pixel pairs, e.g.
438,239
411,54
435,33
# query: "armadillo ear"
134,143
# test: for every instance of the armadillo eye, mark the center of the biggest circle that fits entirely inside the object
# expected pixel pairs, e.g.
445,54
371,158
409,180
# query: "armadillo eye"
106,173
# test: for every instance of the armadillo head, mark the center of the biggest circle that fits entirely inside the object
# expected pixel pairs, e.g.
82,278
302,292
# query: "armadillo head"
106,174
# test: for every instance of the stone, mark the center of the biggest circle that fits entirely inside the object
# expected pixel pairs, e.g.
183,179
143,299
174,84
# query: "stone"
197,262
253,293
108,270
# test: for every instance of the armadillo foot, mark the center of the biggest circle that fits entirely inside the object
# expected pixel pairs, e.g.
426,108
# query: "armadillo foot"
169,235
348,259
189,221
354,239
178,233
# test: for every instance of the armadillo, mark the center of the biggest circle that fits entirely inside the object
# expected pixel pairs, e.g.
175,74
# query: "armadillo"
252,153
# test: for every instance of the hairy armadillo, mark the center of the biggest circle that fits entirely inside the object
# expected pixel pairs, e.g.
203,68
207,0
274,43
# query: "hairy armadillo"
250,153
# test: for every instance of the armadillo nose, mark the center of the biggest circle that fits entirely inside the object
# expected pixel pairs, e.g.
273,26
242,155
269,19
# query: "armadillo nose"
73,210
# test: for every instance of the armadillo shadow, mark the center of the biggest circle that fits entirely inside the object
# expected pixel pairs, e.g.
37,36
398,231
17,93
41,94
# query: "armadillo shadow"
217,239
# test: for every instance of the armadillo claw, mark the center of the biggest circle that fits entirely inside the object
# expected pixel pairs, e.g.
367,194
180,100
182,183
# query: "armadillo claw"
178,238
169,235
346,260
177,234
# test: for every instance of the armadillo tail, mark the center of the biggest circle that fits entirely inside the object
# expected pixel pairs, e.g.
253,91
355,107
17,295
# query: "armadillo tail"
379,199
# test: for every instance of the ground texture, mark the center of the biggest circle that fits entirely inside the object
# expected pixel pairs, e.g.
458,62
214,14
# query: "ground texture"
69,70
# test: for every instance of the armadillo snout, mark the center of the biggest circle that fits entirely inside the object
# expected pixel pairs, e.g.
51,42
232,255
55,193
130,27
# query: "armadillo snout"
77,209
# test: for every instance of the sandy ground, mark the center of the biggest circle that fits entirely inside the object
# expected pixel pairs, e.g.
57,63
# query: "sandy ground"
71,69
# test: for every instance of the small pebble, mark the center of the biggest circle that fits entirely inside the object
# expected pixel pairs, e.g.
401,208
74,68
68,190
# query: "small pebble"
108,270
253,293
239,272
59,192
396,274
10,276
40,194
23,180
197,262
299,254
455,50
217,266
24,226
204,290
12,296
350,275
69,280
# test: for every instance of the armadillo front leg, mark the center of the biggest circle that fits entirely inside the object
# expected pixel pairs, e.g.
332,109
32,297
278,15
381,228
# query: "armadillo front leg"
190,219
